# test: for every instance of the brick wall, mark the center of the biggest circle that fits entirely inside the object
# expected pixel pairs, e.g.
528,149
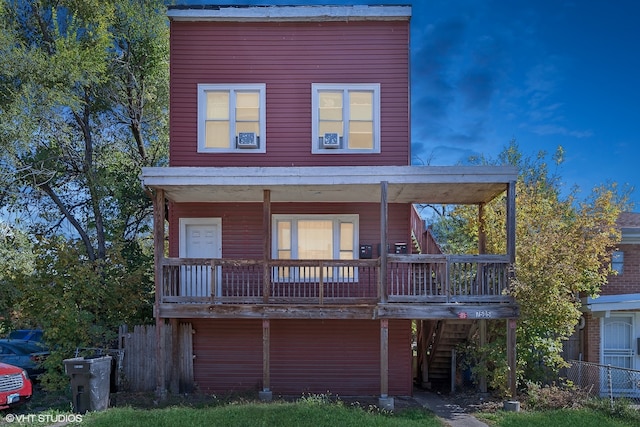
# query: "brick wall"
629,281
591,344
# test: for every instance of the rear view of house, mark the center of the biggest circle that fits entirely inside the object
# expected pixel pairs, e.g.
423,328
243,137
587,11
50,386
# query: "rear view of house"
295,250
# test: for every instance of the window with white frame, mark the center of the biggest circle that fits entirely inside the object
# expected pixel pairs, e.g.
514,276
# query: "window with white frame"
231,118
617,262
346,118
315,237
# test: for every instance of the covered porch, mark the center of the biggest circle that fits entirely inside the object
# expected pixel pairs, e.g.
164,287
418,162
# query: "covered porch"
390,286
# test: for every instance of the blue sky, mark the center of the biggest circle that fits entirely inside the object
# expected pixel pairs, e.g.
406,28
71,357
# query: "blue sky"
544,72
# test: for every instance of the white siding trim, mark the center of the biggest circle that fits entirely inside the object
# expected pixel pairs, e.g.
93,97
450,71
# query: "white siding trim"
290,13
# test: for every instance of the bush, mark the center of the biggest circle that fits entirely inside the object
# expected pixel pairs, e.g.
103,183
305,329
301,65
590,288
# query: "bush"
540,398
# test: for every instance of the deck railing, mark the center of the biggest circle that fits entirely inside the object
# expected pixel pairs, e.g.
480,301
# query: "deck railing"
410,279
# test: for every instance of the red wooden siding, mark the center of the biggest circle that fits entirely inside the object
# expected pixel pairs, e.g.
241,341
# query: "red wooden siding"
288,57
307,356
228,355
243,232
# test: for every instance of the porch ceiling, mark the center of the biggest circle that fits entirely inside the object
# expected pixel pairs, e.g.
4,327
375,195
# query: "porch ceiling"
406,184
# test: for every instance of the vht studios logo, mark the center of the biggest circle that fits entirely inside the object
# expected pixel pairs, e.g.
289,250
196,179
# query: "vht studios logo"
43,418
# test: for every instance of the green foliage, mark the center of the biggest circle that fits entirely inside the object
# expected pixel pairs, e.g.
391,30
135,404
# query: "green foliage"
621,409
17,260
85,93
563,251
83,107
81,303
556,418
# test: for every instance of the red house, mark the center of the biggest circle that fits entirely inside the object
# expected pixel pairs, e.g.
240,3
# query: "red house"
294,247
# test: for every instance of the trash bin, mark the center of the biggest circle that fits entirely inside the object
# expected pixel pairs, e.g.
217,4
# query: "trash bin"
90,382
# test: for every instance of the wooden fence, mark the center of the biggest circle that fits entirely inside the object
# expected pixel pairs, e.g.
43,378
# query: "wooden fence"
139,361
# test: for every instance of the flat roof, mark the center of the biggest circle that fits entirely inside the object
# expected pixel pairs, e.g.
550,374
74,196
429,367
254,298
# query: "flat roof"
288,13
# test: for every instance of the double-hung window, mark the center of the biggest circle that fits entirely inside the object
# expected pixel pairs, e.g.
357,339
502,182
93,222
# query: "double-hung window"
617,262
345,118
315,237
231,118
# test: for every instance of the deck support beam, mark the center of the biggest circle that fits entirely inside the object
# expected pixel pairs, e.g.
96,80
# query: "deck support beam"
158,256
384,239
511,221
482,330
266,394
385,402
511,356
266,224
482,323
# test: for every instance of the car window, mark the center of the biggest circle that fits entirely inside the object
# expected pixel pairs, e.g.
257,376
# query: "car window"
5,350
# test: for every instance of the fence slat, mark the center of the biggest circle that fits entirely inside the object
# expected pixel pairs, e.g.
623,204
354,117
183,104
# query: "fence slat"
139,361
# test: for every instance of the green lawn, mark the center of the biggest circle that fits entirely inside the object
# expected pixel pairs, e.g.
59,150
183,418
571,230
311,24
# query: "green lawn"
261,414
555,418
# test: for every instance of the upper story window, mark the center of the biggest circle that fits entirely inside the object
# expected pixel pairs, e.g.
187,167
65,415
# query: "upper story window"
617,262
346,118
231,118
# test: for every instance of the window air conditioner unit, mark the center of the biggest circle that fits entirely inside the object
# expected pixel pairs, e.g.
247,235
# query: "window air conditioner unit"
331,140
247,140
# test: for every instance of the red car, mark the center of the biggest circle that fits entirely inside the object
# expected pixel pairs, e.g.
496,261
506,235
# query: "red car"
15,386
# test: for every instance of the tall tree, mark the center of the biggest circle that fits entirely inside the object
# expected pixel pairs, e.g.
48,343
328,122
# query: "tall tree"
84,90
83,107
563,251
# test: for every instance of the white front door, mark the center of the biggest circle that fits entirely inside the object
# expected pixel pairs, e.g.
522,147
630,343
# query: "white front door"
618,351
199,238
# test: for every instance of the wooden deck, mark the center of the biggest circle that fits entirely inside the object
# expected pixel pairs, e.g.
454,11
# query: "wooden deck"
413,286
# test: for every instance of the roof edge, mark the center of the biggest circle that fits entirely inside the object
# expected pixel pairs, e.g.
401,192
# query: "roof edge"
288,13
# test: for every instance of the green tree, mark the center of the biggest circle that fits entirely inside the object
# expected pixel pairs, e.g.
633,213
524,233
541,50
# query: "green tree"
17,260
563,251
83,107
81,304
84,91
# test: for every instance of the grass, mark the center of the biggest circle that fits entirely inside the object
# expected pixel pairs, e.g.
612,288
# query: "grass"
301,413
234,410
312,410
584,417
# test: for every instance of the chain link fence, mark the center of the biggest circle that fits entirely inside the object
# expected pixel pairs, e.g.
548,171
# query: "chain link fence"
605,381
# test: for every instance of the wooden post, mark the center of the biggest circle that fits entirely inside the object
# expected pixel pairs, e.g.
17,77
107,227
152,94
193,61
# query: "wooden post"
265,394
482,323
266,223
384,213
482,381
511,356
511,221
158,257
384,358
482,230
425,335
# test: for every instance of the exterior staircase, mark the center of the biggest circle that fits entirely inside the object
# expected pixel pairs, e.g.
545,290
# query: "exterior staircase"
436,341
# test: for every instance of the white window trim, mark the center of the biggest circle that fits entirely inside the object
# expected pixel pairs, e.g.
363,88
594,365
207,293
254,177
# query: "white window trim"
203,88
337,220
617,262
214,278
182,225
345,87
